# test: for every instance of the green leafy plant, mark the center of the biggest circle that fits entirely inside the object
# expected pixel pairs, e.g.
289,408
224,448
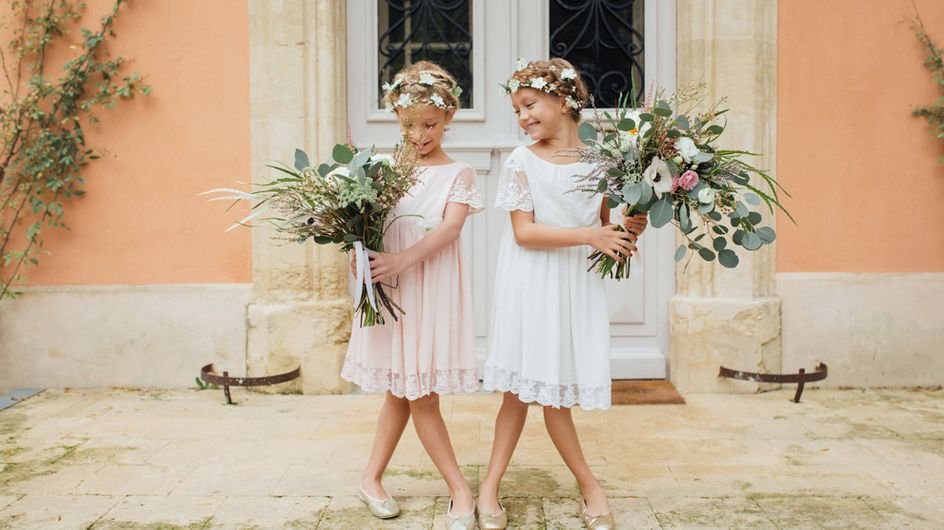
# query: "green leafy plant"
934,112
42,119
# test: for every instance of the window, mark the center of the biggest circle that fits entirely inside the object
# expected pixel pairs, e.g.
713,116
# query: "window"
604,40
434,30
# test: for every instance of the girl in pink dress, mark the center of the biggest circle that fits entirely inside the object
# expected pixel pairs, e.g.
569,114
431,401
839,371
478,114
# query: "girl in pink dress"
429,350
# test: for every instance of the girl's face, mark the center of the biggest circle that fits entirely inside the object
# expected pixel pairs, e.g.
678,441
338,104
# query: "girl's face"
424,126
540,115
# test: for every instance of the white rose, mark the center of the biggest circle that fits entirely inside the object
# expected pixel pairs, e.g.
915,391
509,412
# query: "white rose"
658,176
427,78
404,101
687,148
706,195
538,83
514,85
569,74
386,159
438,101
521,64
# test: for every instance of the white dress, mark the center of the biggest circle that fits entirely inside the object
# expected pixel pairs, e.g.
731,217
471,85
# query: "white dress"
550,340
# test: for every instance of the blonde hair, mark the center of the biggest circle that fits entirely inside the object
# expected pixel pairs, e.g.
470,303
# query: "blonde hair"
569,86
423,82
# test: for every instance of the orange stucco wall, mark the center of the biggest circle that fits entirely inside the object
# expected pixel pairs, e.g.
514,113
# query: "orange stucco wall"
140,221
866,184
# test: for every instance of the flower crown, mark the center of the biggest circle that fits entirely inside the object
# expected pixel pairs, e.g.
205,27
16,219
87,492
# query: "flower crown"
425,78
567,88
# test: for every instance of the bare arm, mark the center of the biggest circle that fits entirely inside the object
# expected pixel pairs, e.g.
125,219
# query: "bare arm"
605,238
385,265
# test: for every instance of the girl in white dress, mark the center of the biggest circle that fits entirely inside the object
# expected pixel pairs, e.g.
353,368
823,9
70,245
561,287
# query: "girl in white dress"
550,329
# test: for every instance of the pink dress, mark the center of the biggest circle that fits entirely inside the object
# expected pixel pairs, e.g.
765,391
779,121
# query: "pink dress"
430,349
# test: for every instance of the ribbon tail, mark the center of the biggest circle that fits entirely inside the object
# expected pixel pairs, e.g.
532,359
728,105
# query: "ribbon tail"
359,265
368,281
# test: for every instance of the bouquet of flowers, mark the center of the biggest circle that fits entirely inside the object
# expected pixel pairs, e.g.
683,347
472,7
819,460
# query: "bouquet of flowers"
344,201
662,158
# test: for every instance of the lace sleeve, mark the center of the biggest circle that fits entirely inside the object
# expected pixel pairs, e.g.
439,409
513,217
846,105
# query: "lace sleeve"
514,193
464,191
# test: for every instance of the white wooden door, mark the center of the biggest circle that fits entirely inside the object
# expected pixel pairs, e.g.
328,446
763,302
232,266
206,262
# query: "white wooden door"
484,134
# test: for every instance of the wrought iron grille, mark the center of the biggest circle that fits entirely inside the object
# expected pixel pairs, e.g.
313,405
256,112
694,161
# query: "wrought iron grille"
434,30
604,40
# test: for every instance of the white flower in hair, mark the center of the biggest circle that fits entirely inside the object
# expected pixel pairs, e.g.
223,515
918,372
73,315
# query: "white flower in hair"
404,101
538,83
514,85
438,101
427,78
569,74
390,86
572,103
521,65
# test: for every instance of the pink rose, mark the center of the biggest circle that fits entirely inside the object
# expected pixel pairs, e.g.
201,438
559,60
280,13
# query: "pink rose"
688,180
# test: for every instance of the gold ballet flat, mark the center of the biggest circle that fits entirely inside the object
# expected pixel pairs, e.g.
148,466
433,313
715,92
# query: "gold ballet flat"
460,522
380,508
596,522
488,521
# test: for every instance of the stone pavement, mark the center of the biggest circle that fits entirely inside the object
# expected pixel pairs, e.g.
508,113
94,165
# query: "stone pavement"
183,459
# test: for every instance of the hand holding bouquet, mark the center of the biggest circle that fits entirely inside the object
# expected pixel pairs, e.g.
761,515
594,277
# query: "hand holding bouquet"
663,159
344,201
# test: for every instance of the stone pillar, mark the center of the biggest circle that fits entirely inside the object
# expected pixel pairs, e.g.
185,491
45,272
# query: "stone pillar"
720,316
300,313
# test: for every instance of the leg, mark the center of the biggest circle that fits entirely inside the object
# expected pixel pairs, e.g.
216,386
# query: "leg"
508,427
394,414
431,430
560,426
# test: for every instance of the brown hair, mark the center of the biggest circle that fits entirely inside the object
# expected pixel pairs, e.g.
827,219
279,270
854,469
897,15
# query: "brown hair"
407,81
556,85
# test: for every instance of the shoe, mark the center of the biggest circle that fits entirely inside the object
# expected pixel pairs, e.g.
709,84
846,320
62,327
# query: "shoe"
380,508
460,522
596,522
497,521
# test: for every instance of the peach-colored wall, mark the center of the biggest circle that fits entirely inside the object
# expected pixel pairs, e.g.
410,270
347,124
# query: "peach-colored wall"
866,184
140,221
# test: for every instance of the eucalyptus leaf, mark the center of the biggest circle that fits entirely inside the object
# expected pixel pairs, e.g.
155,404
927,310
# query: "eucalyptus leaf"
705,209
738,237
662,111
301,160
685,221
632,193
755,218
706,254
714,129
587,133
661,212
680,253
751,198
751,241
719,243
766,234
626,124
728,258
682,122
702,157
646,192
645,116
714,215
342,154
323,170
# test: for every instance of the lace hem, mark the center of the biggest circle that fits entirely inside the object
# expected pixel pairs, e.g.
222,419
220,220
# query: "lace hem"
547,394
411,386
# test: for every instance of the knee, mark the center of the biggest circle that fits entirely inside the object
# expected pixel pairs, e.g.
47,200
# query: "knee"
399,402
425,404
511,401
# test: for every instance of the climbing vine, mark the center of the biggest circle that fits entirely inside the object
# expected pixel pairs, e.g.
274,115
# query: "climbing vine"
42,117
933,60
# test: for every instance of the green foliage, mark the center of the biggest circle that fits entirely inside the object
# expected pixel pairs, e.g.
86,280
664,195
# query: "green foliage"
934,112
42,119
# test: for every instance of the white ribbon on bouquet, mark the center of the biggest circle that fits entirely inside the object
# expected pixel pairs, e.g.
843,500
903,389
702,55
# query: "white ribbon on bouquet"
363,276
